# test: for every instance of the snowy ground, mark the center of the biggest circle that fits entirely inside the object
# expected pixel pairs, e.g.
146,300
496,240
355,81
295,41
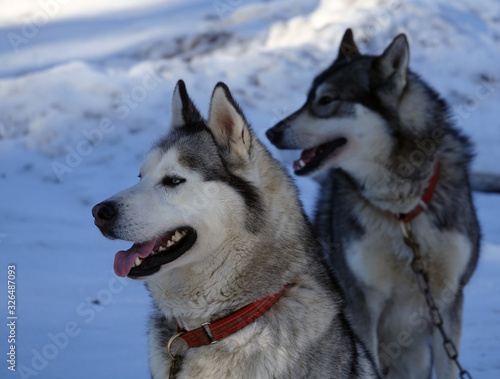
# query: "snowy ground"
78,71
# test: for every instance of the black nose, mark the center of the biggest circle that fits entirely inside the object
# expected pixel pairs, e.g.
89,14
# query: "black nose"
275,133
104,212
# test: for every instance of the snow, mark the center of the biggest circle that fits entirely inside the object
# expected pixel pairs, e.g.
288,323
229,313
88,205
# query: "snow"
85,90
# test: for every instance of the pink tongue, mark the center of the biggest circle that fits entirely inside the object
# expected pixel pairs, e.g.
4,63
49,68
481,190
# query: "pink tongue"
306,156
309,154
124,260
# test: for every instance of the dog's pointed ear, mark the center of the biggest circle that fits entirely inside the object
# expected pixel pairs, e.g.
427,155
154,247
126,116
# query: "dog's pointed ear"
392,65
183,109
347,47
228,125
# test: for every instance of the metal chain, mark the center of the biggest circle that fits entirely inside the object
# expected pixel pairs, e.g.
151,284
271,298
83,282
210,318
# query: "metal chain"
175,365
418,267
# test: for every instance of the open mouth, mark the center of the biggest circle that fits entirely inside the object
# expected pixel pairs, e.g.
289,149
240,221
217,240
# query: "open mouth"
144,259
312,158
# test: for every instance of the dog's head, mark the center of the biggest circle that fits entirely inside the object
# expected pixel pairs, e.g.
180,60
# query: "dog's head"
195,186
351,112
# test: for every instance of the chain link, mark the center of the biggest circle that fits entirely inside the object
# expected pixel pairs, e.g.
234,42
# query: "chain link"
418,267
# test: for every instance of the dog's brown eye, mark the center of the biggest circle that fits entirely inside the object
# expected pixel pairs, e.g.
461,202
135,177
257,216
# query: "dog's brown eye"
324,100
172,181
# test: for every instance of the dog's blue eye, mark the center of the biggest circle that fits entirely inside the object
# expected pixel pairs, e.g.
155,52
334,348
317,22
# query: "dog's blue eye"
324,100
172,181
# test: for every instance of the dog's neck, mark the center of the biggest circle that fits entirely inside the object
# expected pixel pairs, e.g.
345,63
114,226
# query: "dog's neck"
197,294
383,188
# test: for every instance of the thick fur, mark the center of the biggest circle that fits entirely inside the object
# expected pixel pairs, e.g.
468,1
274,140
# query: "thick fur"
396,127
252,239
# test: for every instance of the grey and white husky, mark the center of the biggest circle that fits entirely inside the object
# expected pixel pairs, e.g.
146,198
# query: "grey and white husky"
217,225
378,135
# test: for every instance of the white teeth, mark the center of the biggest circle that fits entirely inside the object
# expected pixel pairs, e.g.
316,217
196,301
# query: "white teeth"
137,262
177,236
302,163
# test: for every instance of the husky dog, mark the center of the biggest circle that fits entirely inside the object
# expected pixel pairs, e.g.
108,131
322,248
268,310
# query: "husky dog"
380,136
217,225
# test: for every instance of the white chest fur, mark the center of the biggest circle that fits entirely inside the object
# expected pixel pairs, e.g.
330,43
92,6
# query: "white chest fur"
381,261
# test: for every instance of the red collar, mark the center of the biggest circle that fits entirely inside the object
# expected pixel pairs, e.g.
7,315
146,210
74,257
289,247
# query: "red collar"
426,198
211,332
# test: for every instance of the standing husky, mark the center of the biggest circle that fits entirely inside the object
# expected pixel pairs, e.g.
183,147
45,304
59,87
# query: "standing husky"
217,226
386,140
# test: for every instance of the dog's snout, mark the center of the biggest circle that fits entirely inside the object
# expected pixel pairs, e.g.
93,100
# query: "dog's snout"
105,215
275,133
105,211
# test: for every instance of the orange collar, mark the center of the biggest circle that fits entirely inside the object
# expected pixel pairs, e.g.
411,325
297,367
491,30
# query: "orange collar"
211,332
426,198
